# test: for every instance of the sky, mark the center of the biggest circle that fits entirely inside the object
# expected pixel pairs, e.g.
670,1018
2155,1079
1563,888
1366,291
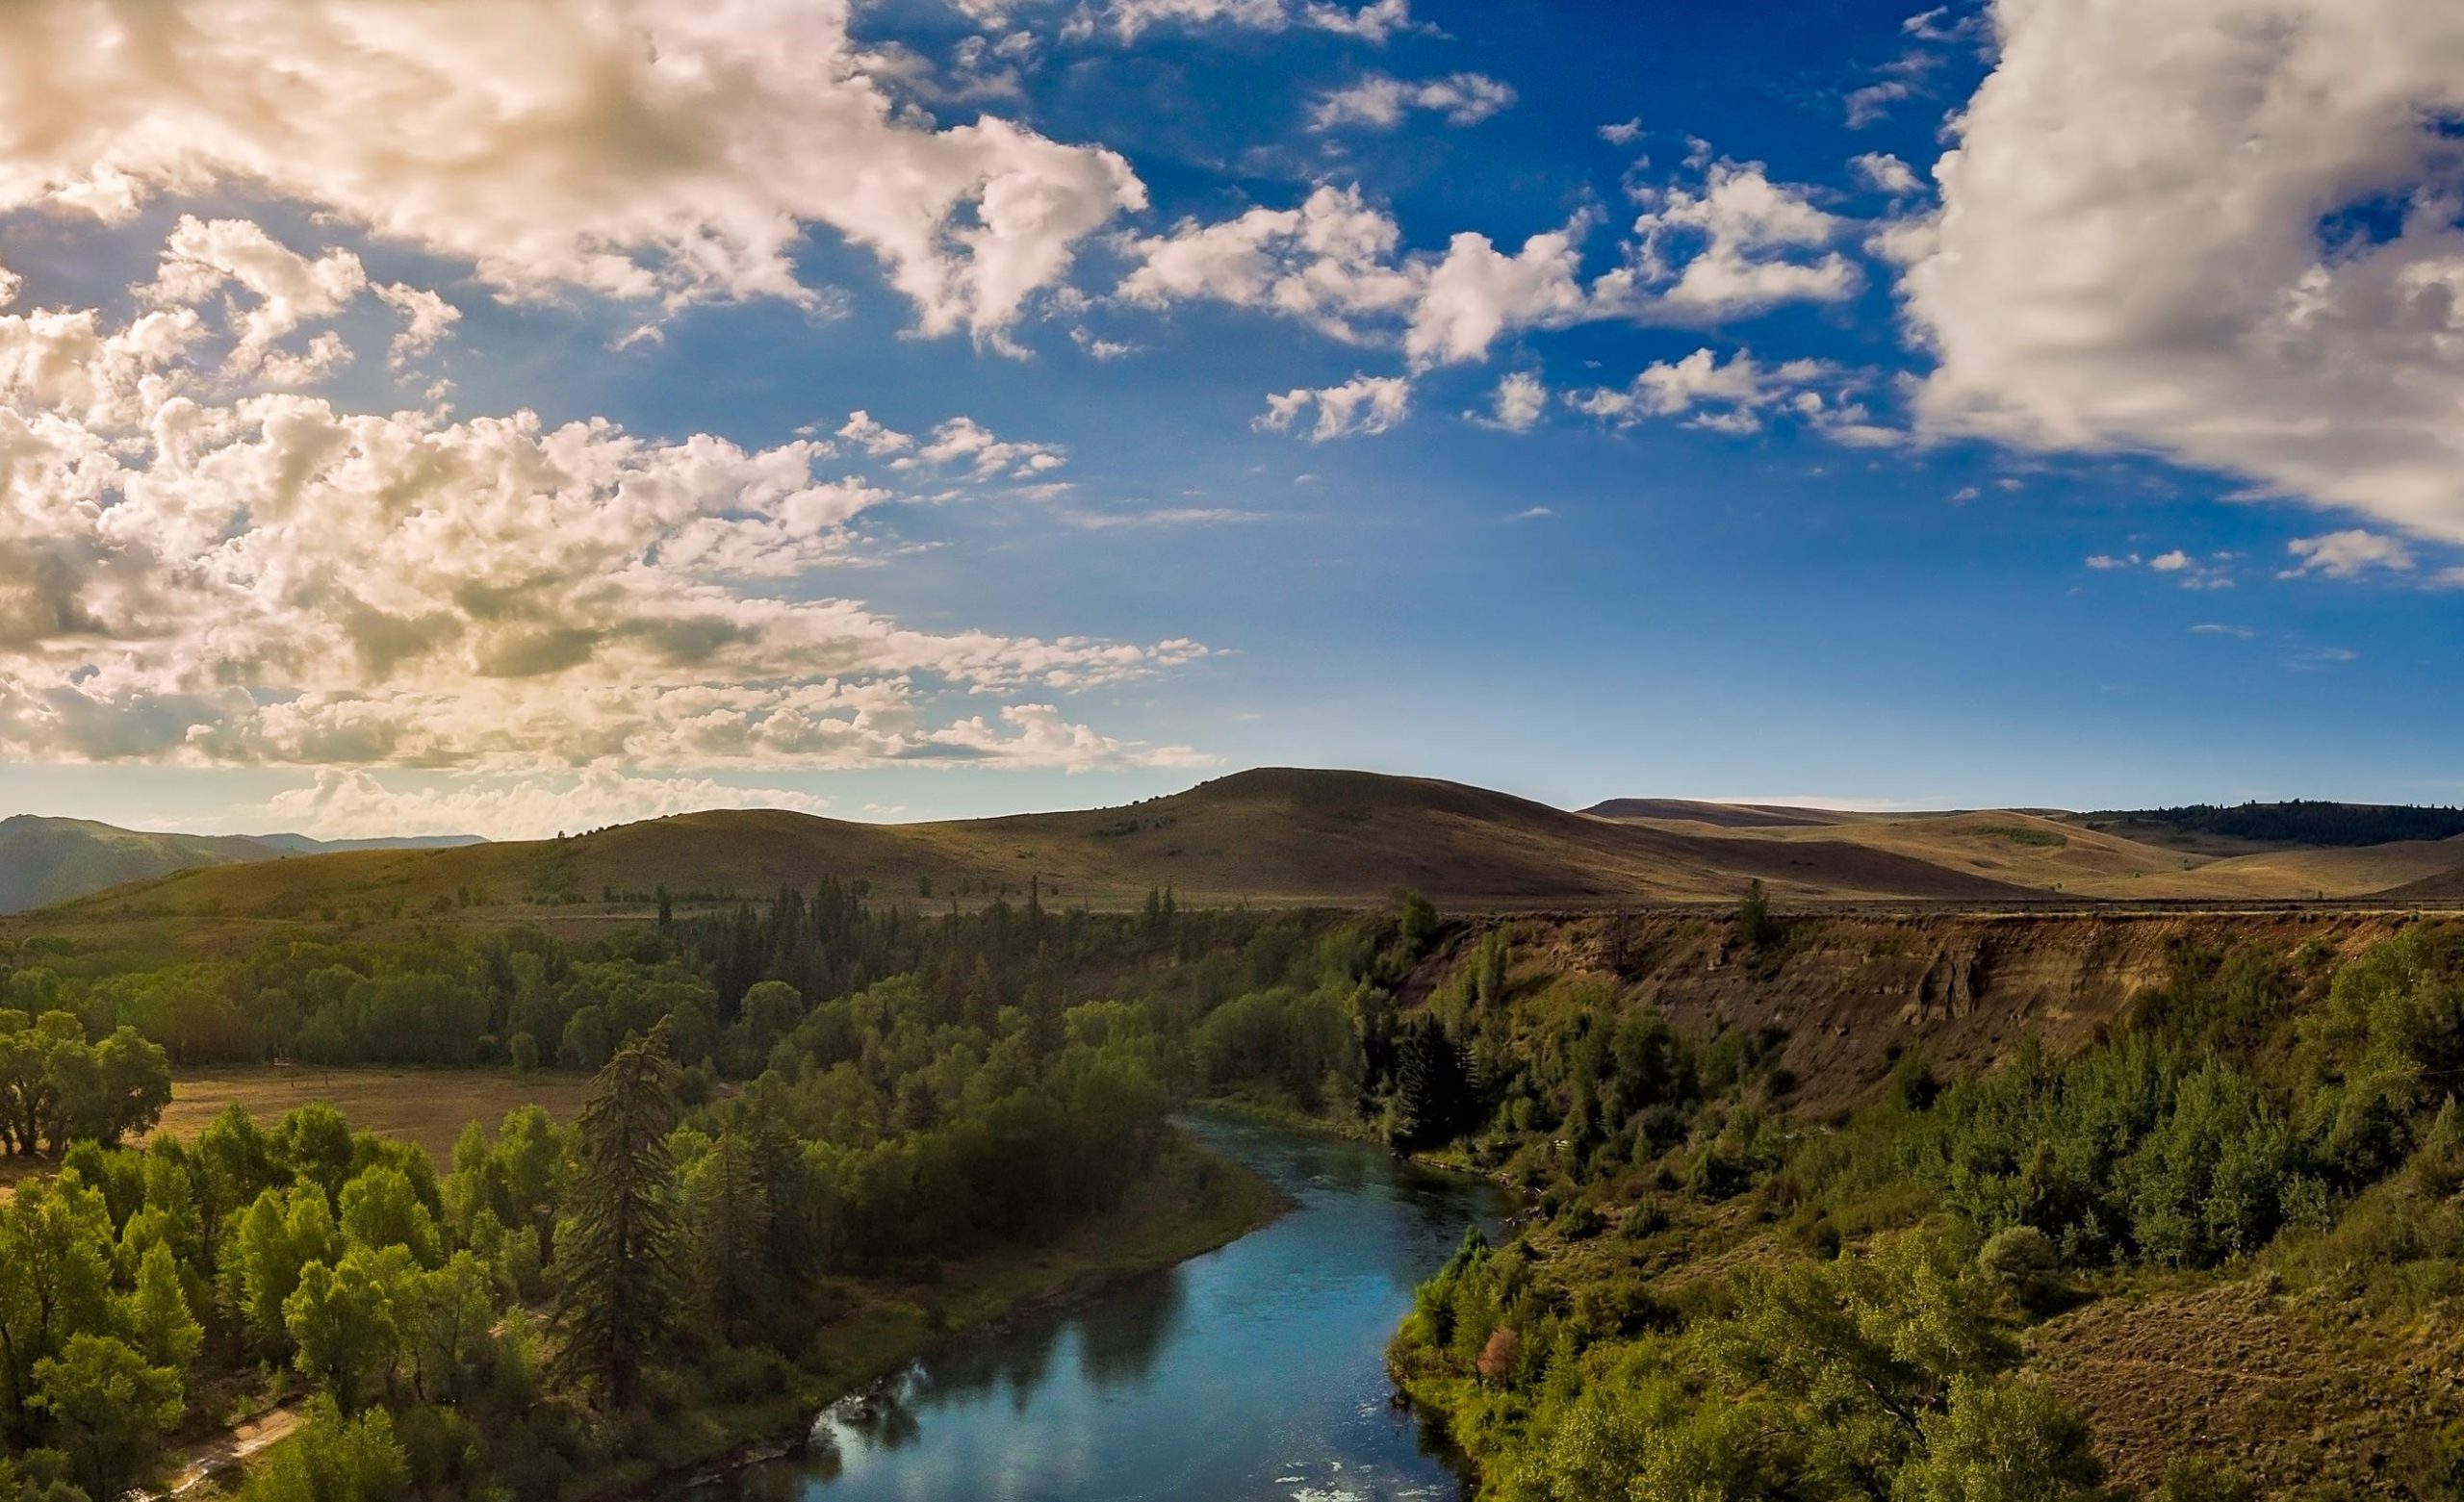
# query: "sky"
512,416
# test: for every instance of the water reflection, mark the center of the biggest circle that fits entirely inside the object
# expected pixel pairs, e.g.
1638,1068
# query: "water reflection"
1255,1372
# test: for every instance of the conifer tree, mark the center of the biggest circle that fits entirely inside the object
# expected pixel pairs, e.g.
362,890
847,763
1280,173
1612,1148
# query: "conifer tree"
623,1256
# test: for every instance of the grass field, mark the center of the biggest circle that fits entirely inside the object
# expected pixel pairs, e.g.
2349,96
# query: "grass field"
428,1106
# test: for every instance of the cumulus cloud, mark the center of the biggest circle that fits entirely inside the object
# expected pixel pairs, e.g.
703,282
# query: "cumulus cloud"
1364,405
1380,100
1738,395
2178,565
1729,396
1738,244
2226,231
2348,555
1887,173
1622,133
635,149
192,574
1521,399
1372,22
1334,263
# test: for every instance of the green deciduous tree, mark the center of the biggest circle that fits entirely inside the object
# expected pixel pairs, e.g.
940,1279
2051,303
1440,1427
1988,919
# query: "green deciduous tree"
107,1407
333,1459
342,1321
156,1315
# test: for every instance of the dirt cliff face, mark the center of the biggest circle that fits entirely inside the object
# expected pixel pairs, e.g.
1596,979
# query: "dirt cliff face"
1851,993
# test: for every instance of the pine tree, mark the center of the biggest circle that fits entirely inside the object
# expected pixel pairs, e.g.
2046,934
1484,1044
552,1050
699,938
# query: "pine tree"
731,1211
623,1255
1431,1085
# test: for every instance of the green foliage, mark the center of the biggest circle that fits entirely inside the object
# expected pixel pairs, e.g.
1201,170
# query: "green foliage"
334,1459
57,1088
342,1325
1754,927
154,1315
106,1408
2001,1441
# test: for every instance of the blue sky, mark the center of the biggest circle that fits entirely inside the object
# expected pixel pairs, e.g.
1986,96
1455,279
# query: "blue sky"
2050,454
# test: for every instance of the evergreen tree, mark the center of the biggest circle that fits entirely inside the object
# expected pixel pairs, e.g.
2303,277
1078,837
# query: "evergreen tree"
1432,1088
730,1212
621,1255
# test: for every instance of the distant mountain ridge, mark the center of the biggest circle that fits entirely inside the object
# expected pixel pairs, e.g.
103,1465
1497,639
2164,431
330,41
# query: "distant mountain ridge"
303,845
45,860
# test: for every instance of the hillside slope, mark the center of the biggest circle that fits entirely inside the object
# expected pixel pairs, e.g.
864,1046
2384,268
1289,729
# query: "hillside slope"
1275,835
49,860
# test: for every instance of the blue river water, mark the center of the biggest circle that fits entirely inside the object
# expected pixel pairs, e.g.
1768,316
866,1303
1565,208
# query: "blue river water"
1252,1372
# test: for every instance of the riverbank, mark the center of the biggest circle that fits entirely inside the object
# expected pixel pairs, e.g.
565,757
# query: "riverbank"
1194,1203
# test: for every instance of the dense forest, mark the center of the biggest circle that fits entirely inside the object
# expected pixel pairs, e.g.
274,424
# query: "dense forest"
1713,1294
2304,822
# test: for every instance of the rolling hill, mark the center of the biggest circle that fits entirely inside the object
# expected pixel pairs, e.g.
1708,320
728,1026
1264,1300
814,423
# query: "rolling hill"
49,860
45,860
1274,835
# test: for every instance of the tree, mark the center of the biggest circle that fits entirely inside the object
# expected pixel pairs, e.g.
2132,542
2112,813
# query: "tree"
1753,916
2001,1441
55,1281
334,1459
109,1408
622,1255
447,1326
730,1219
1432,1088
342,1320
277,1237
523,1050
1415,924
380,1208
156,1314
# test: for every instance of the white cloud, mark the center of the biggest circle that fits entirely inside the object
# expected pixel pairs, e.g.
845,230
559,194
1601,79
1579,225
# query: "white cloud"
1372,22
1521,399
861,430
349,804
1872,102
2222,230
194,576
2212,572
1726,397
1363,405
1333,264
2241,633
1623,132
963,443
425,317
1380,100
1739,245
636,148
2348,555
204,255
1887,173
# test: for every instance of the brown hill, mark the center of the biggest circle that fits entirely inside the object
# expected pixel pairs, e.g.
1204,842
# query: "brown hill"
1273,835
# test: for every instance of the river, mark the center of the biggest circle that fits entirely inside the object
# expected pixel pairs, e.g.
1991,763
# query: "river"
1255,1372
